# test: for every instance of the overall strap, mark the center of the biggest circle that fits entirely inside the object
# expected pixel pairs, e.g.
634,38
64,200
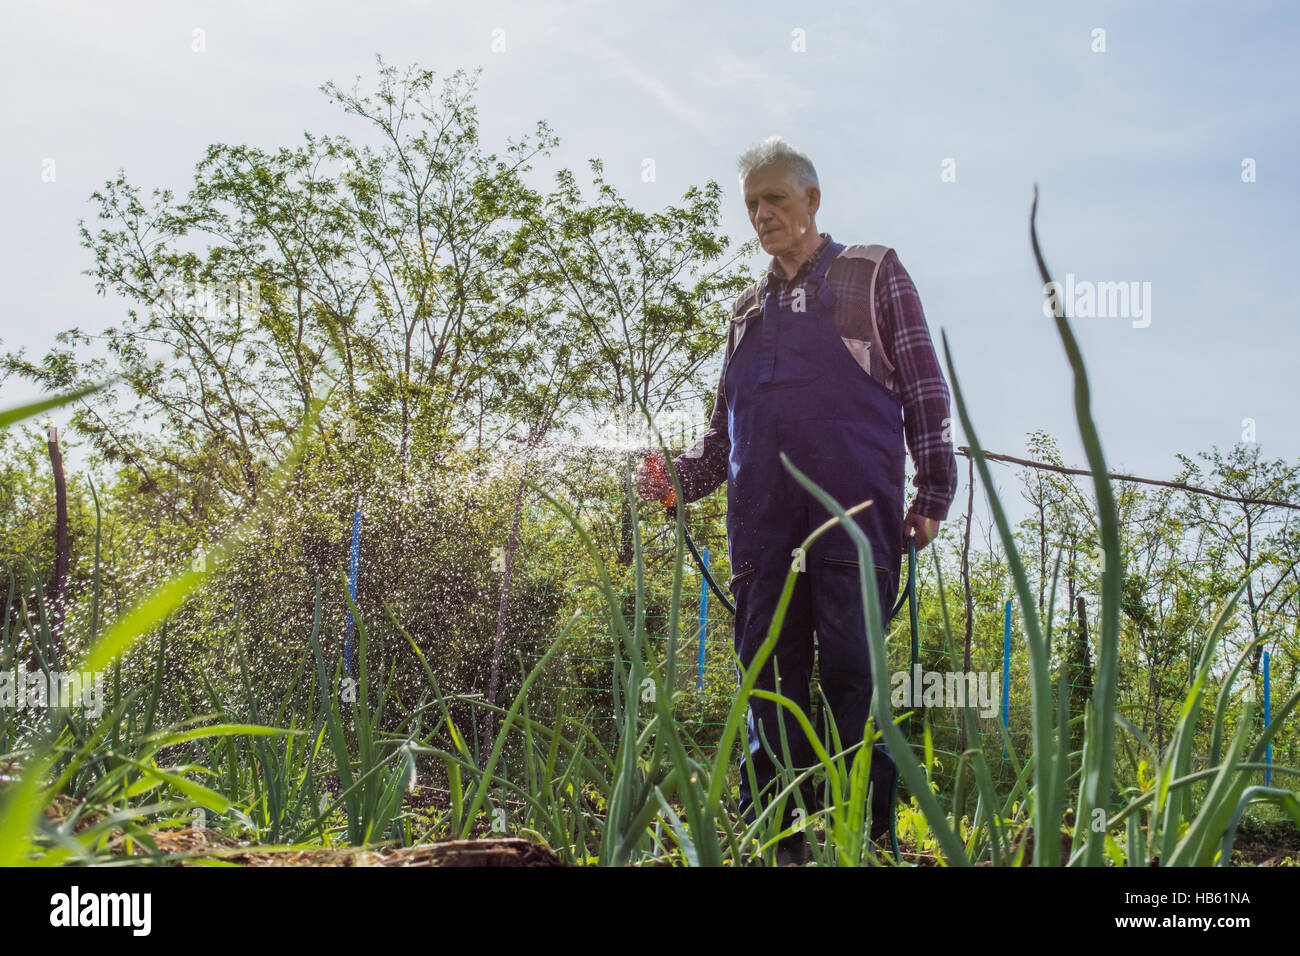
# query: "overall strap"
875,254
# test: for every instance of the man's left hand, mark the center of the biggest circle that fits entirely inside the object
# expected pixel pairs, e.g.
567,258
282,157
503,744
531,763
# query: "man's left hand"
919,526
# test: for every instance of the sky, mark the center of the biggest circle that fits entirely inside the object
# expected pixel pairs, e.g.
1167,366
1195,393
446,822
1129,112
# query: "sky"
1163,139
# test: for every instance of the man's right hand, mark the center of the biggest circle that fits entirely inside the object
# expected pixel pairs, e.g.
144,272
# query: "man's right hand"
652,484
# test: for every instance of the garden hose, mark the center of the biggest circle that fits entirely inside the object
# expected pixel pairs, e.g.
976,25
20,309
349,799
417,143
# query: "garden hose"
908,594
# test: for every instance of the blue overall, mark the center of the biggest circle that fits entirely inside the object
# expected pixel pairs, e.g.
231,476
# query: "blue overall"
793,386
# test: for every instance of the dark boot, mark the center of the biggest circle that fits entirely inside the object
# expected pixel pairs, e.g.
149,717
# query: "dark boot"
793,850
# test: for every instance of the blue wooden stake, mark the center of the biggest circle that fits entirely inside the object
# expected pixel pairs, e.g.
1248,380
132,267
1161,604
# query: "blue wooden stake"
704,616
1006,672
352,589
1268,751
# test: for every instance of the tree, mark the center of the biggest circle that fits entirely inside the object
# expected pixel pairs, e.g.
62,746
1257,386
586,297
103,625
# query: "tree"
648,291
618,314
1262,541
393,254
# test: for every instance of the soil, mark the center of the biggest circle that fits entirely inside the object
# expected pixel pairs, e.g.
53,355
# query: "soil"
186,847
190,846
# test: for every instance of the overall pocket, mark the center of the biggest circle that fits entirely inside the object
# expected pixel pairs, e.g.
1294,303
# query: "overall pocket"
886,583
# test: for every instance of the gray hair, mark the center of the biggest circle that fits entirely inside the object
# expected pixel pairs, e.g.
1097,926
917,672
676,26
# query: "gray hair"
776,151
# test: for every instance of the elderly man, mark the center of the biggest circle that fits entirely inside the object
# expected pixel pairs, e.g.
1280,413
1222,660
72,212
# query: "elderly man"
829,360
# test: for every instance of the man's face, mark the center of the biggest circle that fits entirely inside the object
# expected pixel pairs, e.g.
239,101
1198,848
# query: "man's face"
781,209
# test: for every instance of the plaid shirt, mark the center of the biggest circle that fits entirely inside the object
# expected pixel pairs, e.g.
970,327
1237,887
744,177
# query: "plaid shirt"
910,369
